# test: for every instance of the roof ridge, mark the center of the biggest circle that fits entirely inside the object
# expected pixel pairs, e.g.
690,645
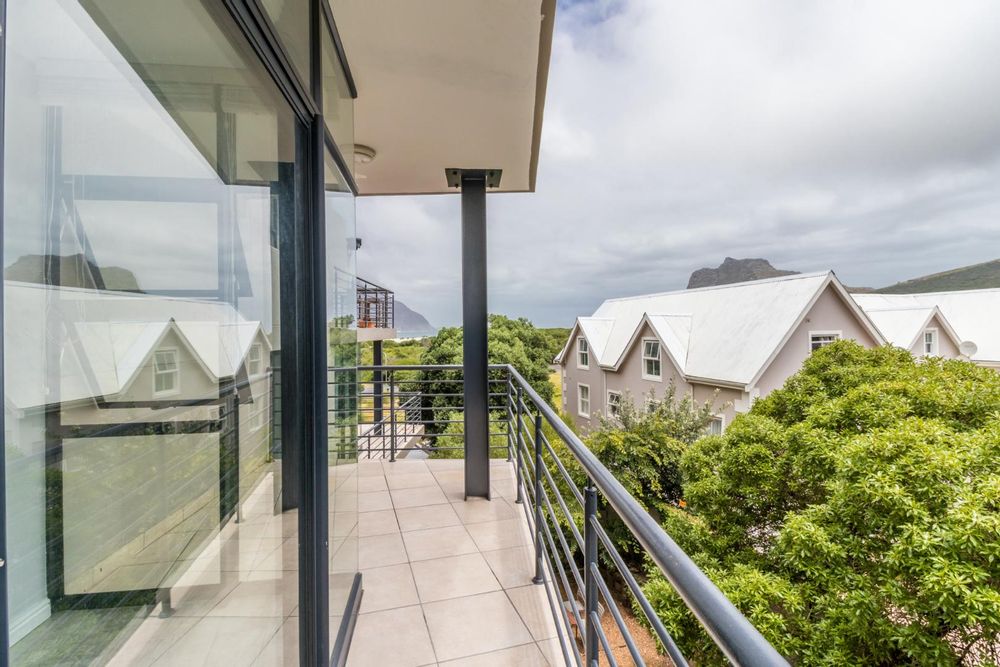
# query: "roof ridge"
794,276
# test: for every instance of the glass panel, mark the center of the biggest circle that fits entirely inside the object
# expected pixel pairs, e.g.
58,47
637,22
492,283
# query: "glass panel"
341,305
338,105
291,20
148,511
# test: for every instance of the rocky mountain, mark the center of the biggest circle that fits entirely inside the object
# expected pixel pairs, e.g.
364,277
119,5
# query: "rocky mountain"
410,323
976,276
74,271
735,271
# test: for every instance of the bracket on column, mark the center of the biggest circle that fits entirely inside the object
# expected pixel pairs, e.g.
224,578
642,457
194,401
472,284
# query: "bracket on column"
454,176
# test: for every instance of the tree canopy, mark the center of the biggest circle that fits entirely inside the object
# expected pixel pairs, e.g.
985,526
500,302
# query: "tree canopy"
854,514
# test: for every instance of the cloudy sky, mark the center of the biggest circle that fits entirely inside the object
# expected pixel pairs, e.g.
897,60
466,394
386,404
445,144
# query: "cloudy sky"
853,135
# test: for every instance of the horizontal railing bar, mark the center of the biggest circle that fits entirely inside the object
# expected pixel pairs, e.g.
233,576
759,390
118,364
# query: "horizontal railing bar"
738,639
604,640
617,615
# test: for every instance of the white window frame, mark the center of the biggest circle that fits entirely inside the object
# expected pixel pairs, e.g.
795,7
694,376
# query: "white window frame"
615,406
658,359
579,400
838,335
721,421
582,351
935,337
258,417
259,361
175,373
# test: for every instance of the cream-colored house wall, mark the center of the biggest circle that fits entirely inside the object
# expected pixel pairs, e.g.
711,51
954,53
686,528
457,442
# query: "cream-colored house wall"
728,402
946,347
828,313
592,376
629,380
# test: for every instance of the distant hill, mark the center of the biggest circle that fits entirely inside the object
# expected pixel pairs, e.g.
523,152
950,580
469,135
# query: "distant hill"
74,271
735,271
409,323
977,276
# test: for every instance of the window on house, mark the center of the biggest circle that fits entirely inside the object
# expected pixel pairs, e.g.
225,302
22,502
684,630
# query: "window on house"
651,359
254,360
582,353
822,339
614,403
166,372
583,400
258,415
715,426
930,342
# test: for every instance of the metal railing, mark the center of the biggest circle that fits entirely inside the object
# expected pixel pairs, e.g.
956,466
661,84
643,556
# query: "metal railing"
375,306
563,497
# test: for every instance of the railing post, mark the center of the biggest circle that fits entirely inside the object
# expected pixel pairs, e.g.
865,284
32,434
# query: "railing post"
590,562
519,443
538,578
392,418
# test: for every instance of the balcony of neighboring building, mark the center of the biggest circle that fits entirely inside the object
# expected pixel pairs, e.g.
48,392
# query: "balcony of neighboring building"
376,319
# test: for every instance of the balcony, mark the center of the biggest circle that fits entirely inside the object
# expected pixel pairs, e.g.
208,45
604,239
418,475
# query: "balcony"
533,565
375,312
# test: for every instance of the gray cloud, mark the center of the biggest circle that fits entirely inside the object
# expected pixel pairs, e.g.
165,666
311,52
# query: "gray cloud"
862,137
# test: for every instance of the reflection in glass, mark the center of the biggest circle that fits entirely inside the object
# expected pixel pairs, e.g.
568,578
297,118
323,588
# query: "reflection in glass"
154,192
338,105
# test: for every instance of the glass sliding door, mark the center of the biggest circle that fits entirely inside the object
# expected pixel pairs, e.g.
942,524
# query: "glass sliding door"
153,182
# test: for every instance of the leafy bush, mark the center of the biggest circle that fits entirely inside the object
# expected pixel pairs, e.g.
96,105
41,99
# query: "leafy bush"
854,514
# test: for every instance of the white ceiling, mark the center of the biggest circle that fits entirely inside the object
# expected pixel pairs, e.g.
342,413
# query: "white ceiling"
446,83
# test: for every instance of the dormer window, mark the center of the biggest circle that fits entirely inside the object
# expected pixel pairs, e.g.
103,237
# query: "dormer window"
254,360
166,373
818,339
582,353
930,342
651,367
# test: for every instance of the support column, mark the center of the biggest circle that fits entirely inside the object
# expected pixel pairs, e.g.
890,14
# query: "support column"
474,327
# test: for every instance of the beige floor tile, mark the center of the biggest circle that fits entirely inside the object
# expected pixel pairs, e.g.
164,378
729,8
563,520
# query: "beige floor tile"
437,465
426,516
375,501
221,641
427,495
552,650
380,522
504,487
370,469
495,625
395,637
479,510
526,655
532,604
410,480
387,588
453,491
513,567
493,535
260,598
403,467
283,648
438,543
372,484
452,577
380,550
152,638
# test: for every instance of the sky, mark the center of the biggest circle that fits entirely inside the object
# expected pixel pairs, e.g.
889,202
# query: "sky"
862,137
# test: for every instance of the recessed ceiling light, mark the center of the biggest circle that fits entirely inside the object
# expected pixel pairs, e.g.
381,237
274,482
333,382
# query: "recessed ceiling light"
363,154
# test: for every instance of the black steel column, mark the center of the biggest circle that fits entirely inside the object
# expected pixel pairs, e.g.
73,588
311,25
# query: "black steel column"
474,327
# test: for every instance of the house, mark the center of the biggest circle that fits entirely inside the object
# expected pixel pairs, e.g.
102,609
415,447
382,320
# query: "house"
730,344
962,324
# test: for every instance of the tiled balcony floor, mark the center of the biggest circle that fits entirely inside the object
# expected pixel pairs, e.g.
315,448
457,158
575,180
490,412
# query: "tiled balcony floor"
446,581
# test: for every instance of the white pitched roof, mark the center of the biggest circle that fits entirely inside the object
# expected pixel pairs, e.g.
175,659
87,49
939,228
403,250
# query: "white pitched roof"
974,315
903,326
109,338
726,333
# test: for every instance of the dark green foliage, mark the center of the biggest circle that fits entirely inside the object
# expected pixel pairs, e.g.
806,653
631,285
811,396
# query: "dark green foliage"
854,514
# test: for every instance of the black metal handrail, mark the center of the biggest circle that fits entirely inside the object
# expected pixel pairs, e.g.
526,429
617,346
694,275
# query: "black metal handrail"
375,306
569,560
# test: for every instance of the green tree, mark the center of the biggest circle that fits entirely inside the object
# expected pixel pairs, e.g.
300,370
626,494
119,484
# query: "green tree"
854,514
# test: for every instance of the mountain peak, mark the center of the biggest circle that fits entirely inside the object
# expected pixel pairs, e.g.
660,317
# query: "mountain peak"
734,270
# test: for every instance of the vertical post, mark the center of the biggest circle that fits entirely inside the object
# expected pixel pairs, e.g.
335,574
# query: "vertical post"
474,331
519,443
392,419
377,385
590,562
538,578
